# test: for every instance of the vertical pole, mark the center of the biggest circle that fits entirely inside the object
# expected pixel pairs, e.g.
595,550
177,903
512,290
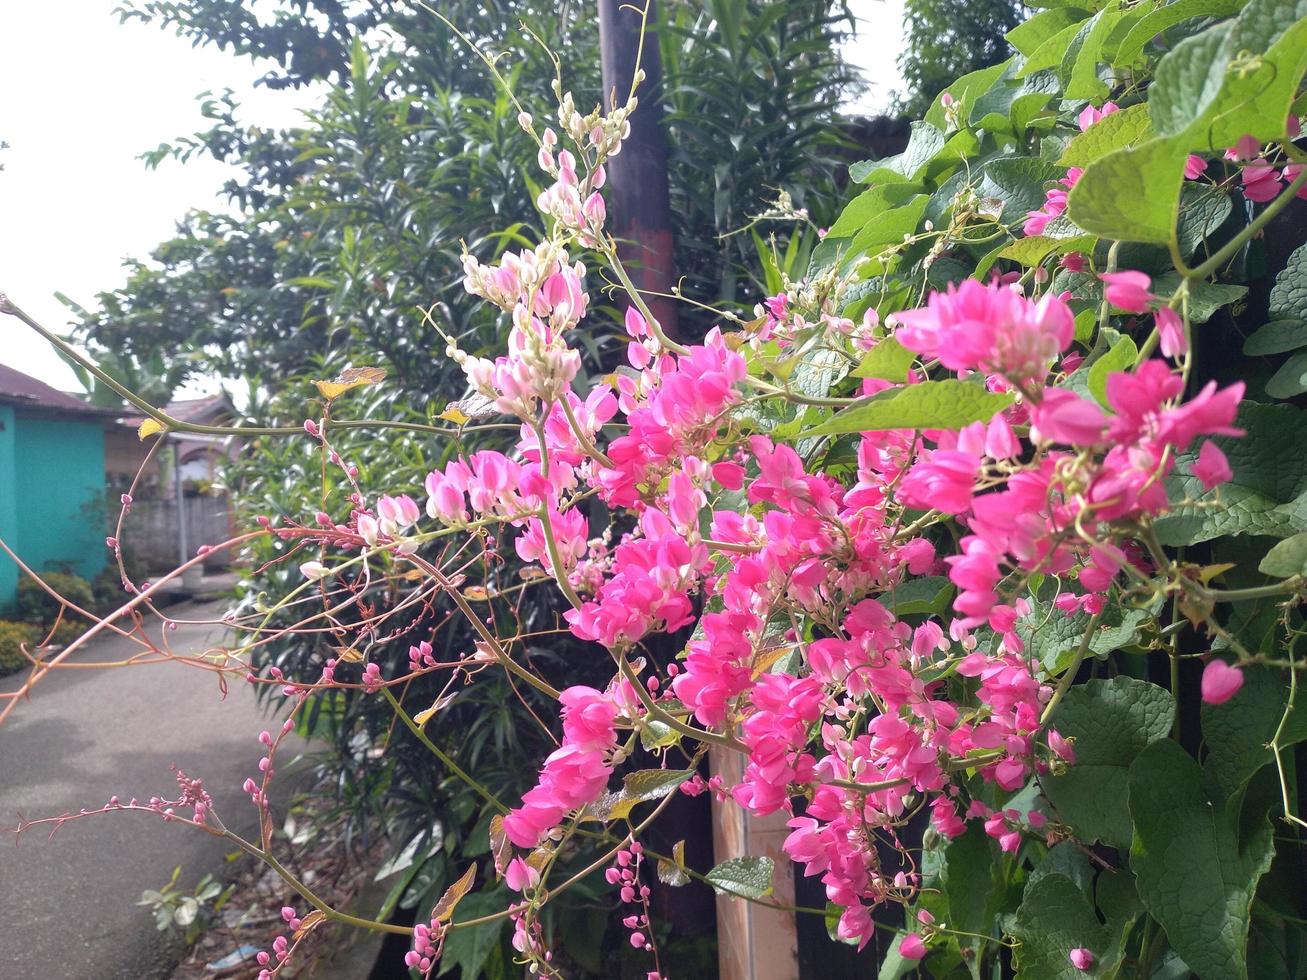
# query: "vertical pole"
753,942
639,206
182,552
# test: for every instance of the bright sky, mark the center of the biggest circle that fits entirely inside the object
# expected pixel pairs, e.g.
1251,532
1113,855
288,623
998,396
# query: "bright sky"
74,199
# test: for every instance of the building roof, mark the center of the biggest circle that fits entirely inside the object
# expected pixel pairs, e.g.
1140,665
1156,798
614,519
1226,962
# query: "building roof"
24,391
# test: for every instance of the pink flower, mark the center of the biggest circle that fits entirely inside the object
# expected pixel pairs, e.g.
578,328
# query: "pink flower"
1170,331
1221,682
1261,182
1089,115
1081,958
1246,148
944,481
990,328
1194,167
912,947
1063,416
520,876
1211,467
1128,290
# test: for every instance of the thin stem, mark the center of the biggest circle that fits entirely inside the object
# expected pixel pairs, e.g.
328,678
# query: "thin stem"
1064,683
440,754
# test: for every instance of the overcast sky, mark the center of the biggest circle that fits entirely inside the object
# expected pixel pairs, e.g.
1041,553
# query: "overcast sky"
82,96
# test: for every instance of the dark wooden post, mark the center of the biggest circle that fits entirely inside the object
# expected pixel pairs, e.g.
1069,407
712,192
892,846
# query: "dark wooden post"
639,209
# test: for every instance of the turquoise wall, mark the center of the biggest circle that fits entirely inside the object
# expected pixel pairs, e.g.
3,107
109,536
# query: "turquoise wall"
58,480
8,508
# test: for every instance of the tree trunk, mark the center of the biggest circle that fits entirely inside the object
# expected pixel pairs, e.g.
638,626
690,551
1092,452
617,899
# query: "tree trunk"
640,215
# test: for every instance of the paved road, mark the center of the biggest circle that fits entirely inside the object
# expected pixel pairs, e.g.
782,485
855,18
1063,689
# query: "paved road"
67,905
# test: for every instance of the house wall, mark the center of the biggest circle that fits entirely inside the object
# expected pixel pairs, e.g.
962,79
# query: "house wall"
8,506
59,478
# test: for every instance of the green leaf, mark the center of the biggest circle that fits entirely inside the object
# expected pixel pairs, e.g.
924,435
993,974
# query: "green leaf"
1189,79
926,141
947,404
1156,21
867,206
1127,127
1055,917
1276,337
1205,298
1289,294
1051,52
1034,249
1052,637
1111,721
1027,36
1119,358
1082,81
1203,209
1287,558
888,360
638,787
927,596
1291,379
1195,875
1237,732
964,91
1019,182
1131,194
1257,101
748,877
1268,493
968,880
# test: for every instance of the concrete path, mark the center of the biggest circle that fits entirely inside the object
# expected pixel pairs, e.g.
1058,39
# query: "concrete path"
67,905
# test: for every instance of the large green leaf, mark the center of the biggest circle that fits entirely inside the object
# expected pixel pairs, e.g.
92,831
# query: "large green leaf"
1268,492
1194,873
1119,129
1289,294
1237,732
749,877
1131,194
1168,15
1276,337
1055,917
1112,721
968,880
1019,182
947,404
1027,36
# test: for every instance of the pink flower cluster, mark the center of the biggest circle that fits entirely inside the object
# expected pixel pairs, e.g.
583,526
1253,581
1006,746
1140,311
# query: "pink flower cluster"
575,773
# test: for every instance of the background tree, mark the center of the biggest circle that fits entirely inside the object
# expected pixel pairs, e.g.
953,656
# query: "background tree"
946,39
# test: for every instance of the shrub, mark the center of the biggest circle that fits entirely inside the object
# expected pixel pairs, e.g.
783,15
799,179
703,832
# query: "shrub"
12,637
35,605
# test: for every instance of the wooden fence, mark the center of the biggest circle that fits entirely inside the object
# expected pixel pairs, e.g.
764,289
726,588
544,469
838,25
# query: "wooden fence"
152,530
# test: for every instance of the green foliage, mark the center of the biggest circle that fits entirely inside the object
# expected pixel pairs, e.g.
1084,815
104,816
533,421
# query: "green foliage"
1196,868
13,637
1157,864
36,605
1111,723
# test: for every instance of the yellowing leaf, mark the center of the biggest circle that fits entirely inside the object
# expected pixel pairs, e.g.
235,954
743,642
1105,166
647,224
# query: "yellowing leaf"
501,849
1209,572
348,655
350,378
477,593
454,415
309,923
444,909
148,428
424,716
